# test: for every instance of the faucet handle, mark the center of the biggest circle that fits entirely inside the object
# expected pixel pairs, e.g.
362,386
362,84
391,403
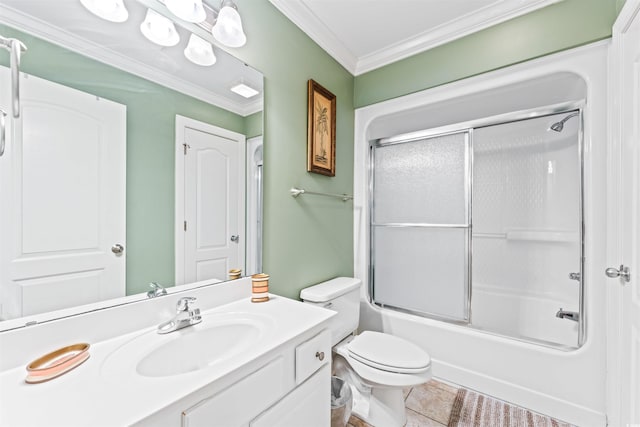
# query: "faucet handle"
183,303
156,290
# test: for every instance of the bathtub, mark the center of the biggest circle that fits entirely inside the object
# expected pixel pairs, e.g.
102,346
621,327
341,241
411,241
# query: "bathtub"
566,383
526,317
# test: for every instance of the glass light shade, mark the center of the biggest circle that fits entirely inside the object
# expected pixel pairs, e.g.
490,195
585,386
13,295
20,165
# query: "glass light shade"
111,10
200,51
159,29
228,28
187,10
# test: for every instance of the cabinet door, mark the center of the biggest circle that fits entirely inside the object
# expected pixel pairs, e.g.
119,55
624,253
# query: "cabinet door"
308,405
238,404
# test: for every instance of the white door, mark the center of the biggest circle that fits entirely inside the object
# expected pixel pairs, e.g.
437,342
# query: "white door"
624,217
210,198
62,195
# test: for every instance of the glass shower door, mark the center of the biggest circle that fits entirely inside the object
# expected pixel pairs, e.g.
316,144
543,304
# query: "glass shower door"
527,229
420,225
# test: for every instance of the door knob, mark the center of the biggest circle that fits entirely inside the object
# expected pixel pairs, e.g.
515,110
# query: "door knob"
117,249
619,272
235,238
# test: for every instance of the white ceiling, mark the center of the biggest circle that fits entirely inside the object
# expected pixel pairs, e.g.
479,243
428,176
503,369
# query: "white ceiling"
68,24
363,35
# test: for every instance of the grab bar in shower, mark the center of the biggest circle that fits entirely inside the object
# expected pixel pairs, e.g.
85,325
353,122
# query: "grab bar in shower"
295,192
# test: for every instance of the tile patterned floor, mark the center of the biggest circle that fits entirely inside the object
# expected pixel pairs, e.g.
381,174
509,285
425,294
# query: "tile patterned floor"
428,405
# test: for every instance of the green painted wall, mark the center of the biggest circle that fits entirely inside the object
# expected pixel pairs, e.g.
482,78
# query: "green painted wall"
253,125
561,26
619,4
308,239
151,111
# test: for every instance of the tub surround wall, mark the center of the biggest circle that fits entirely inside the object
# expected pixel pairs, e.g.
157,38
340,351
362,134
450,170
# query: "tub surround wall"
567,385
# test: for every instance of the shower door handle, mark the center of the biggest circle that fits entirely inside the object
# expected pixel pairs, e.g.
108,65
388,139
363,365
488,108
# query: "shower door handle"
619,272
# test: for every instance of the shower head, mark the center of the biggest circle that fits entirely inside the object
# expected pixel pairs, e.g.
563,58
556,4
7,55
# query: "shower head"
558,126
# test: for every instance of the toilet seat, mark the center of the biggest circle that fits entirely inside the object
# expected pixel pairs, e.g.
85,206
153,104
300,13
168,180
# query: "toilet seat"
388,353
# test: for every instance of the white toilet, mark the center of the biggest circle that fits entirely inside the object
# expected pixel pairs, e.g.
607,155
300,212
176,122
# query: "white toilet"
377,366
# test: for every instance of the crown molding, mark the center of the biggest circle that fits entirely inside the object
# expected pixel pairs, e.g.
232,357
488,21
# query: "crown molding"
63,38
301,15
298,13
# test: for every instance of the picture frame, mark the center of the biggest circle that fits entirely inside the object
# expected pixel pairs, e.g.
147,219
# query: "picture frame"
321,130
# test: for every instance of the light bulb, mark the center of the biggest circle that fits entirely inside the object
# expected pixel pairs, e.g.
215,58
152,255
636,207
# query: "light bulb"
200,51
159,29
228,28
111,10
187,10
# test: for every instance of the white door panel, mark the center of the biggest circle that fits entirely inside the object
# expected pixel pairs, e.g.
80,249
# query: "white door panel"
59,205
624,213
62,189
209,201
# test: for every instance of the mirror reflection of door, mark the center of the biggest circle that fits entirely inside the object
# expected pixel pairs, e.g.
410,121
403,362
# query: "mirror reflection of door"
210,198
254,205
62,187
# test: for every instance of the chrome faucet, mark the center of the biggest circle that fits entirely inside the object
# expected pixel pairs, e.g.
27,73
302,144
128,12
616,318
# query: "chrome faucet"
571,315
185,316
156,290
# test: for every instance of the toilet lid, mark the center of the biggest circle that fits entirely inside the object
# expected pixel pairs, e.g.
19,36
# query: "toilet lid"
388,352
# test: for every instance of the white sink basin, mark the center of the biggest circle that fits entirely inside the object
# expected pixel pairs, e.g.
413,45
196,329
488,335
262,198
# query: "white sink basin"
217,339
194,349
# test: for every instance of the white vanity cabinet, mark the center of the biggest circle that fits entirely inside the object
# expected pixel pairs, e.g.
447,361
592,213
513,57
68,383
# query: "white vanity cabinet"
307,405
290,388
278,375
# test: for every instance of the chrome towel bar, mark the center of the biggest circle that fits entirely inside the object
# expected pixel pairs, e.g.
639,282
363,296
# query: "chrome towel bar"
295,192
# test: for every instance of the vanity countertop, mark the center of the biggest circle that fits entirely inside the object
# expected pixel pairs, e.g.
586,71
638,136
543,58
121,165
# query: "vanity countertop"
94,394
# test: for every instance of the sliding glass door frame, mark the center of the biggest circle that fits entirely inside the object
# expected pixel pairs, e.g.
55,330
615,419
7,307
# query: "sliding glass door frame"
468,127
467,225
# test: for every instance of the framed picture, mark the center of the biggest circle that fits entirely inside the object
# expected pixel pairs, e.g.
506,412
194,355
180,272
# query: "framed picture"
321,130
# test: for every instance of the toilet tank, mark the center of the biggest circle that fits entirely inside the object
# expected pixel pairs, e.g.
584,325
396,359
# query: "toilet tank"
341,295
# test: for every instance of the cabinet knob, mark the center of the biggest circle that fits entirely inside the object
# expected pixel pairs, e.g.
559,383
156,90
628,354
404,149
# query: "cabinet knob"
320,355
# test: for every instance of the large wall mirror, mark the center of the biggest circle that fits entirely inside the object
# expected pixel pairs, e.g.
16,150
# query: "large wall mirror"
129,164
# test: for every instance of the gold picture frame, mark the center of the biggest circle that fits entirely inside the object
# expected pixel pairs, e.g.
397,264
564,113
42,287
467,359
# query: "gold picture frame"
321,130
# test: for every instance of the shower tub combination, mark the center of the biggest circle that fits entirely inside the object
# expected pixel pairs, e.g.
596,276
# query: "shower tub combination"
479,212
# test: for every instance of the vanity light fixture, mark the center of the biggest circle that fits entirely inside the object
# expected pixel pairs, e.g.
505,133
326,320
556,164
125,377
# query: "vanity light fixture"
244,90
228,26
187,10
199,51
111,10
224,24
159,29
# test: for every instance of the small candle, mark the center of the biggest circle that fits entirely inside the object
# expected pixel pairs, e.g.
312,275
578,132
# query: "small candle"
235,273
259,287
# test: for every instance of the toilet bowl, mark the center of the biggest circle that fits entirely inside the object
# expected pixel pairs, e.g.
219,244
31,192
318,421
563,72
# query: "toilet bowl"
376,365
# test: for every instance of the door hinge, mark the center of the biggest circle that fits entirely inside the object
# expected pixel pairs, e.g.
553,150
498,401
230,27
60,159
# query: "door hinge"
185,146
185,226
